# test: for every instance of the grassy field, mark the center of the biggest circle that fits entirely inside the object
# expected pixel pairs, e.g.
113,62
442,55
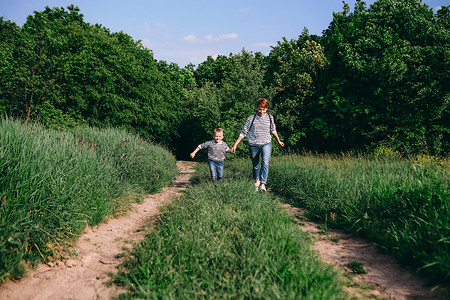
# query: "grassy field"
227,241
401,205
216,241
52,184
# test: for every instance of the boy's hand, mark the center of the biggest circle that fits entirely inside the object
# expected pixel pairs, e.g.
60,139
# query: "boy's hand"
192,155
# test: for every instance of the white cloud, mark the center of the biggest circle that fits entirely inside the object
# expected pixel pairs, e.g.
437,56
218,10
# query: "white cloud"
159,24
186,56
146,43
147,27
244,10
191,38
264,45
198,59
228,36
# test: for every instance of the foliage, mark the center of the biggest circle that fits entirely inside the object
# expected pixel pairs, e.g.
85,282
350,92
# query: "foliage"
67,72
213,69
389,74
377,77
297,67
52,184
236,245
225,104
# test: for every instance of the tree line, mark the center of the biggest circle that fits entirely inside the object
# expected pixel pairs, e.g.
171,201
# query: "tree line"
377,77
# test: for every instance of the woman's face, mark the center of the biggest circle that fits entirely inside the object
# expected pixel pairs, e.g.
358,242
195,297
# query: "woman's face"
262,111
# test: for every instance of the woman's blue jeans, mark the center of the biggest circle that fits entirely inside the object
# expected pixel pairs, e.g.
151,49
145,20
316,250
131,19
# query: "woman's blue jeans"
263,151
216,170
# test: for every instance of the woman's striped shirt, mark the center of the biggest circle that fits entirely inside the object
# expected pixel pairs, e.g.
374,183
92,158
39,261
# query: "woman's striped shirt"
260,131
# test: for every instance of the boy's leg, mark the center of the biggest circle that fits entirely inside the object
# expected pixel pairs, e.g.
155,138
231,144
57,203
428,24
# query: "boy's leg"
212,170
254,155
220,167
266,151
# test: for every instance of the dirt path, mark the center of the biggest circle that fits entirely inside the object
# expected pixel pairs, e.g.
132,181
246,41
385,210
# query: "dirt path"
85,276
385,278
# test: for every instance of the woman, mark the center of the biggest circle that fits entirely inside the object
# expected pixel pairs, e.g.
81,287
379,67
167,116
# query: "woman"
259,128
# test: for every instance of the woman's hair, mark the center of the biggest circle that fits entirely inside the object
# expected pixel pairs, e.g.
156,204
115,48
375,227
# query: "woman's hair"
262,102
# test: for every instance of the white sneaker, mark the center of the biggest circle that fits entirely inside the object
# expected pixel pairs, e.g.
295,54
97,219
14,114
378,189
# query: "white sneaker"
262,187
257,185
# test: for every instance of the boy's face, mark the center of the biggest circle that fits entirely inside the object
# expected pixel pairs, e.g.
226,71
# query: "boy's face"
218,137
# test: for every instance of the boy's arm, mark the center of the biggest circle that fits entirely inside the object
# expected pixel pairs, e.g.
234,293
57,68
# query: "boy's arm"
194,152
228,149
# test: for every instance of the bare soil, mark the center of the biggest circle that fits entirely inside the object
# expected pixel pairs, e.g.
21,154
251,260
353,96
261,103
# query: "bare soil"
85,274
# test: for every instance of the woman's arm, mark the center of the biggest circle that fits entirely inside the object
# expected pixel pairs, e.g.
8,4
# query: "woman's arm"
239,139
243,133
278,139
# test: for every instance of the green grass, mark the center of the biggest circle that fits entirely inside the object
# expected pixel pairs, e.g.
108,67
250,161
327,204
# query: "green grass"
357,267
227,242
52,184
216,241
402,205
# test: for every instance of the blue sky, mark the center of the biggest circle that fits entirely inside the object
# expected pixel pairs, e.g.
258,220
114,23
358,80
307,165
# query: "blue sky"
187,31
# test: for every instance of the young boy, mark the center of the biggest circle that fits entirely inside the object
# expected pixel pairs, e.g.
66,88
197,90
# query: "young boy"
216,154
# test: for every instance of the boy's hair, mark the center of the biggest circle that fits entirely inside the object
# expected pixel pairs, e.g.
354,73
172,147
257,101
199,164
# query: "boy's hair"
218,130
262,102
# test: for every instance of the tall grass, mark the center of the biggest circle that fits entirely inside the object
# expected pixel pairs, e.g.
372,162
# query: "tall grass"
54,183
402,205
226,241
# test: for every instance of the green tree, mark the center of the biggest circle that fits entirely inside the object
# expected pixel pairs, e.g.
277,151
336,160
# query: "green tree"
201,115
11,72
239,92
226,101
67,72
296,68
54,35
213,69
388,78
